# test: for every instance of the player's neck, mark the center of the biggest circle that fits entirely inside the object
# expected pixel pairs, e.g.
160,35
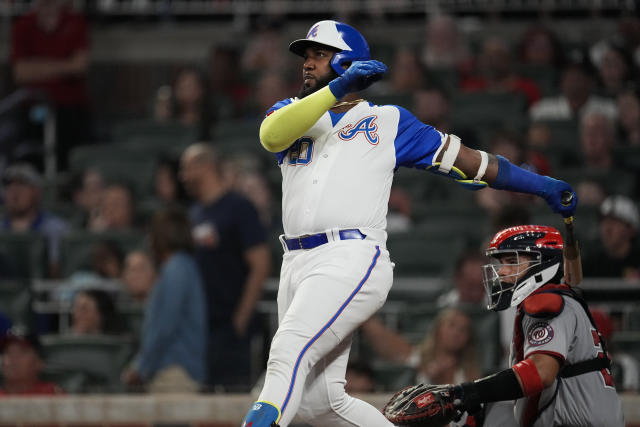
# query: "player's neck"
346,103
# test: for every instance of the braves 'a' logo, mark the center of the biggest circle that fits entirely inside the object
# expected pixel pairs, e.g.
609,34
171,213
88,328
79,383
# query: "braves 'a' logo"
367,126
313,32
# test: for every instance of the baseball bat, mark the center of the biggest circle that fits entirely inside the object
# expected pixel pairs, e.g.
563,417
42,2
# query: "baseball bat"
571,249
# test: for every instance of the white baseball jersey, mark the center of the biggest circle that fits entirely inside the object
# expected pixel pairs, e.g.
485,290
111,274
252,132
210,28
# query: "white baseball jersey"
339,174
584,400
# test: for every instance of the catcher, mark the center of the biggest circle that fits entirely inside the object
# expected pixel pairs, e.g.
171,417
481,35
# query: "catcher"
560,367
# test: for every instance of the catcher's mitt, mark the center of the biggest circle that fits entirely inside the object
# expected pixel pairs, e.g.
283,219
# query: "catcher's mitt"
423,405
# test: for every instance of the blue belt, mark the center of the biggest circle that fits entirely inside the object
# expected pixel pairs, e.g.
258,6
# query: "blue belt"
311,241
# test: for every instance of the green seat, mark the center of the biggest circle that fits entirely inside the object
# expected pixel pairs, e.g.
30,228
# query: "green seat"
75,247
546,77
100,358
15,300
489,110
420,254
117,163
400,99
23,255
150,130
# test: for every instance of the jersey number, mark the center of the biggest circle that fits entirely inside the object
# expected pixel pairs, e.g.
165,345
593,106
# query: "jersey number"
606,374
301,151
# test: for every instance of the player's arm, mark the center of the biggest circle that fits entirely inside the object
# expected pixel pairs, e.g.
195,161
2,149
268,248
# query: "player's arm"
258,261
282,127
387,343
499,173
30,70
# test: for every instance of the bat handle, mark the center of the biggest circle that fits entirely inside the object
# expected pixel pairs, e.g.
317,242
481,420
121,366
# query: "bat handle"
566,198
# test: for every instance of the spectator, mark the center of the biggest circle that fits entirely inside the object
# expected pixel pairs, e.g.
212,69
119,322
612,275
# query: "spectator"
190,102
615,70
539,46
617,253
167,186
94,312
50,53
629,120
139,275
407,75
234,260
115,211
270,88
360,378
597,139
432,105
445,46
624,367
576,98
22,362
496,73
446,355
88,194
24,213
539,140
255,187
399,210
5,324
262,53
468,289
510,146
172,352
229,91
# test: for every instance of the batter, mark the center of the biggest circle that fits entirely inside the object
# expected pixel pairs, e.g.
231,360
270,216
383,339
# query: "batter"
338,155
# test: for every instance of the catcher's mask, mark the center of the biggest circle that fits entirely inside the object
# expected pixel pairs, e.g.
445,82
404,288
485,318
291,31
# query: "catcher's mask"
351,45
523,258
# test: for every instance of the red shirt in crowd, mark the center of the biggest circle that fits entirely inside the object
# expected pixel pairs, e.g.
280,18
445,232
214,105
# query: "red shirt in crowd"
30,41
40,388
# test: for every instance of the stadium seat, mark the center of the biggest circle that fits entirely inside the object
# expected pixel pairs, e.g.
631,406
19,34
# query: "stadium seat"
476,110
22,255
75,247
416,254
15,300
164,133
117,164
100,358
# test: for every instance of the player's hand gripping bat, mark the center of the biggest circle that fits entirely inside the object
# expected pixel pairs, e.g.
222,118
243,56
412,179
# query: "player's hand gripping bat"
571,250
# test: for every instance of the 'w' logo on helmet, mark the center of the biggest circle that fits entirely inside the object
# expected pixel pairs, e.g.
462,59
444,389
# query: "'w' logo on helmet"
366,126
313,32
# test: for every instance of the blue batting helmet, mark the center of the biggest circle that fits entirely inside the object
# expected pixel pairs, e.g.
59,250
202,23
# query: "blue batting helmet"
350,43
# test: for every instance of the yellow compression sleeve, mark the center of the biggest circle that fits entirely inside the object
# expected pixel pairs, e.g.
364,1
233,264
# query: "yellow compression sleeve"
281,128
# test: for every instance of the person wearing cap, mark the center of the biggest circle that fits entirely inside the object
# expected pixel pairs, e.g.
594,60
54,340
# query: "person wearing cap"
24,213
22,362
576,97
618,253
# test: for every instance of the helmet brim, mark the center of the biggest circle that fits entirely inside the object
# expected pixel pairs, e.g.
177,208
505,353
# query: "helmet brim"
299,46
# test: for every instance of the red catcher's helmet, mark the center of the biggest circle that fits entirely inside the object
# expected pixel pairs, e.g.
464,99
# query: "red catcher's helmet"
534,255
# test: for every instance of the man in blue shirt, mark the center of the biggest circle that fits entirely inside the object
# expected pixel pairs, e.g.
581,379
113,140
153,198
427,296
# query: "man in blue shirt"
234,260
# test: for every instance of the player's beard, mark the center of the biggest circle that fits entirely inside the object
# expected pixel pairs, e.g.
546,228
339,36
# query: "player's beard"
320,83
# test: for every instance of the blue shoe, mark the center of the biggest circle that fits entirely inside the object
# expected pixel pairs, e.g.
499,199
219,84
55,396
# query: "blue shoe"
262,414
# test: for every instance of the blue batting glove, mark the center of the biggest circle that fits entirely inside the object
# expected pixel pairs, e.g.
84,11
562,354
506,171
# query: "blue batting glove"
360,75
553,195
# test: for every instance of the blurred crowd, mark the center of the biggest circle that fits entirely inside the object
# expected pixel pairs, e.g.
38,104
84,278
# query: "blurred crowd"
169,251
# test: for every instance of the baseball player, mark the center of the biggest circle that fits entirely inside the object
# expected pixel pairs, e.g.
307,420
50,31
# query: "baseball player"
337,156
560,367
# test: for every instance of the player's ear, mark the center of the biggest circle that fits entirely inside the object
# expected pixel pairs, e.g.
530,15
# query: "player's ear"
346,65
